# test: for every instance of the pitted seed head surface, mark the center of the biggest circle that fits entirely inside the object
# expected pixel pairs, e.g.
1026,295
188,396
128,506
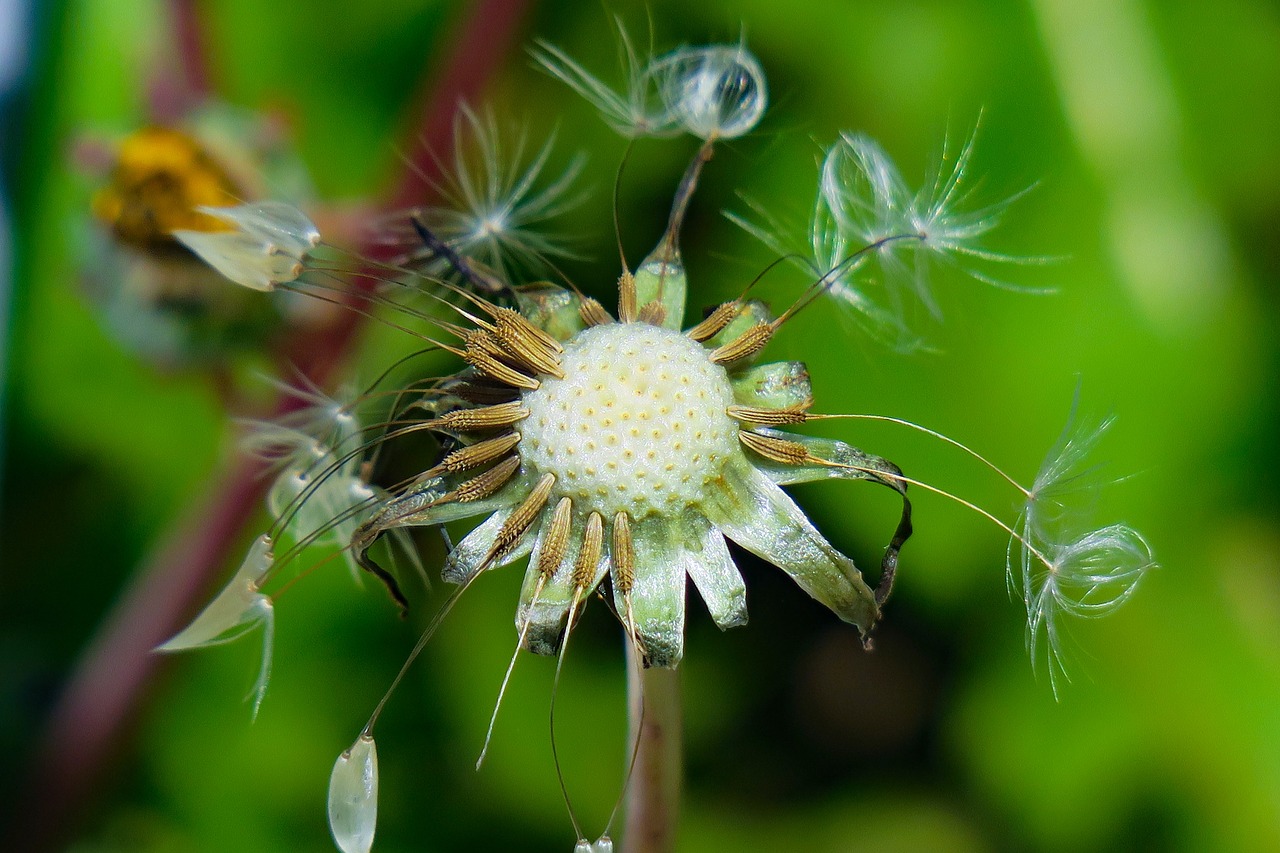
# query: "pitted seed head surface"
638,424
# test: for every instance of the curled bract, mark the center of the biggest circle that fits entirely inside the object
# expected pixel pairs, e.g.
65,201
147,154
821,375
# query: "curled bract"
237,609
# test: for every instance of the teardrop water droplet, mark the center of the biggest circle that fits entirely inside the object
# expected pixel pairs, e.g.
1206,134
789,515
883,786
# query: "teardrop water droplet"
353,797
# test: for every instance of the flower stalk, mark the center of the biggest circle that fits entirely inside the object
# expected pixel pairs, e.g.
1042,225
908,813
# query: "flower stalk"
657,729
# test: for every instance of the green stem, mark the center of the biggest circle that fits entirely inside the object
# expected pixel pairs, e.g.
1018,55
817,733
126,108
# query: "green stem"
657,724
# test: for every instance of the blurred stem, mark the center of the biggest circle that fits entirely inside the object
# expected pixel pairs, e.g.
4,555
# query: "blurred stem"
189,34
184,80
653,796
103,695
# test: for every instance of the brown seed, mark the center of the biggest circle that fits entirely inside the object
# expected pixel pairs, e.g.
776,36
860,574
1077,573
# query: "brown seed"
593,313
776,449
623,555
480,341
475,455
653,313
520,520
770,417
627,297
745,345
715,321
484,485
486,417
584,570
483,392
522,350
513,351
555,542
495,369
514,323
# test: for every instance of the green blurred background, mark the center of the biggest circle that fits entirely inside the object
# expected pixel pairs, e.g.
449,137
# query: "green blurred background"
1152,132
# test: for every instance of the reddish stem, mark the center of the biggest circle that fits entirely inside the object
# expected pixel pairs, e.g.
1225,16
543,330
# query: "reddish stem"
184,80
657,728
89,725
189,35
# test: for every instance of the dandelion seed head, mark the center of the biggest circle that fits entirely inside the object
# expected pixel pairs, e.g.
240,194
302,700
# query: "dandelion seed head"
621,457
647,411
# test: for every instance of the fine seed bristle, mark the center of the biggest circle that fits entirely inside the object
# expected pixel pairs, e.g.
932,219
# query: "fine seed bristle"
654,313
494,369
623,555
520,520
487,417
776,449
506,679
512,322
745,345
796,414
475,455
627,297
1030,493
593,313
555,543
715,321
484,485
584,570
